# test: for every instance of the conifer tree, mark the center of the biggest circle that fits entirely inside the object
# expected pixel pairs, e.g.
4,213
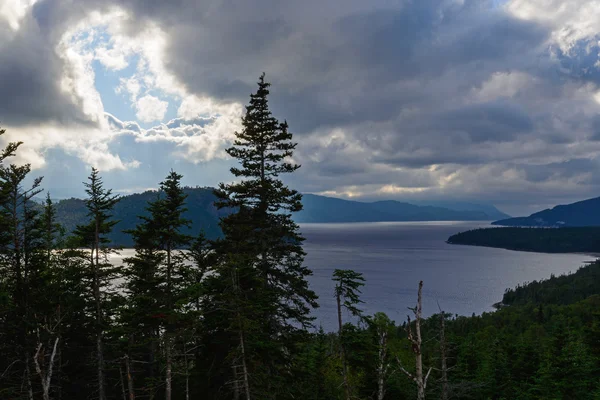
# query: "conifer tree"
100,204
156,279
262,249
140,317
48,286
347,295
169,222
18,253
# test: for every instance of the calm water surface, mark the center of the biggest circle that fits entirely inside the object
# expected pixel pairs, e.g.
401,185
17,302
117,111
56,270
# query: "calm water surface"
393,257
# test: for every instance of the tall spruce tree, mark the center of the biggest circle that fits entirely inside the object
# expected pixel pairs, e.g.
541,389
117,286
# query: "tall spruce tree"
140,317
261,253
156,282
169,224
100,204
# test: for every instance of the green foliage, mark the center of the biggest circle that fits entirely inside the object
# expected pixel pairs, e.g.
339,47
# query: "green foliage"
347,287
261,275
564,289
158,284
201,213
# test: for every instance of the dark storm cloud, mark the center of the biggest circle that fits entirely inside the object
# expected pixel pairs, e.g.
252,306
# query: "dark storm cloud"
574,168
494,122
595,127
365,66
30,75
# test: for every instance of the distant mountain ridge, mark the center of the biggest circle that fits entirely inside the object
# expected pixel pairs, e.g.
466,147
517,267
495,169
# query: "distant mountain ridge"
330,209
581,213
205,216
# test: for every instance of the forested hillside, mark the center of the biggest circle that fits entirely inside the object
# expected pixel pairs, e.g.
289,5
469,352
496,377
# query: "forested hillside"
201,211
544,349
581,213
545,240
328,209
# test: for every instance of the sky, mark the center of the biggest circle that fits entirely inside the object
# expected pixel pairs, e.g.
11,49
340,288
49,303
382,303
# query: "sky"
491,101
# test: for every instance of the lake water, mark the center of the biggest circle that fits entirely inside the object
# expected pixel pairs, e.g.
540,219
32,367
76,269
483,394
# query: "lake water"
393,257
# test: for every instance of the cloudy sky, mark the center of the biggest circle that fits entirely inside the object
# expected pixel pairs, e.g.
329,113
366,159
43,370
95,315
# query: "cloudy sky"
479,100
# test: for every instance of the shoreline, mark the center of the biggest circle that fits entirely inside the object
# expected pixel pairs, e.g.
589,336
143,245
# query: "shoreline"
587,254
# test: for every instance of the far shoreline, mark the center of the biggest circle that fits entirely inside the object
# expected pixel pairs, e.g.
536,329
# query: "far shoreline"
587,254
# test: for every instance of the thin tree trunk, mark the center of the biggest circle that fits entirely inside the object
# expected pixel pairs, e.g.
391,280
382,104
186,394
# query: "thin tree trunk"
242,342
418,354
416,342
187,373
28,377
168,388
130,387
236,384
123,392
342,351
382,367
168,357
97,299
45,376
244,367
443,356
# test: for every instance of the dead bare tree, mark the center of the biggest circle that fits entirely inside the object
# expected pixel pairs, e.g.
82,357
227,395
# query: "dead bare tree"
416,342
382,366
383,326
45,369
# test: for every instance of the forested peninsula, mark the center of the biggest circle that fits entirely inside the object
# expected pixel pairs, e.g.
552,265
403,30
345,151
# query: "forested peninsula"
231,318
543,240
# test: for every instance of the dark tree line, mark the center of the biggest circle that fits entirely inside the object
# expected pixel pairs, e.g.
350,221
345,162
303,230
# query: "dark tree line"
185,317
585,239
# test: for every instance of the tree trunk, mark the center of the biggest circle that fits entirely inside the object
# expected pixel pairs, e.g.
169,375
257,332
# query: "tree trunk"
45,376
244,366
169,366
242,344
122,382
342,351
443,356
416,342
236,384
382,367
97,299
130,388
418,355
187,373
28,372
168,357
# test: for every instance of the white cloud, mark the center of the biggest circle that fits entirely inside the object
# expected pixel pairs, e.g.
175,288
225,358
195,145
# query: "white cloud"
89,144
130,85
504,84
78,79
570,21
197,140
193,106
13,11
150,108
